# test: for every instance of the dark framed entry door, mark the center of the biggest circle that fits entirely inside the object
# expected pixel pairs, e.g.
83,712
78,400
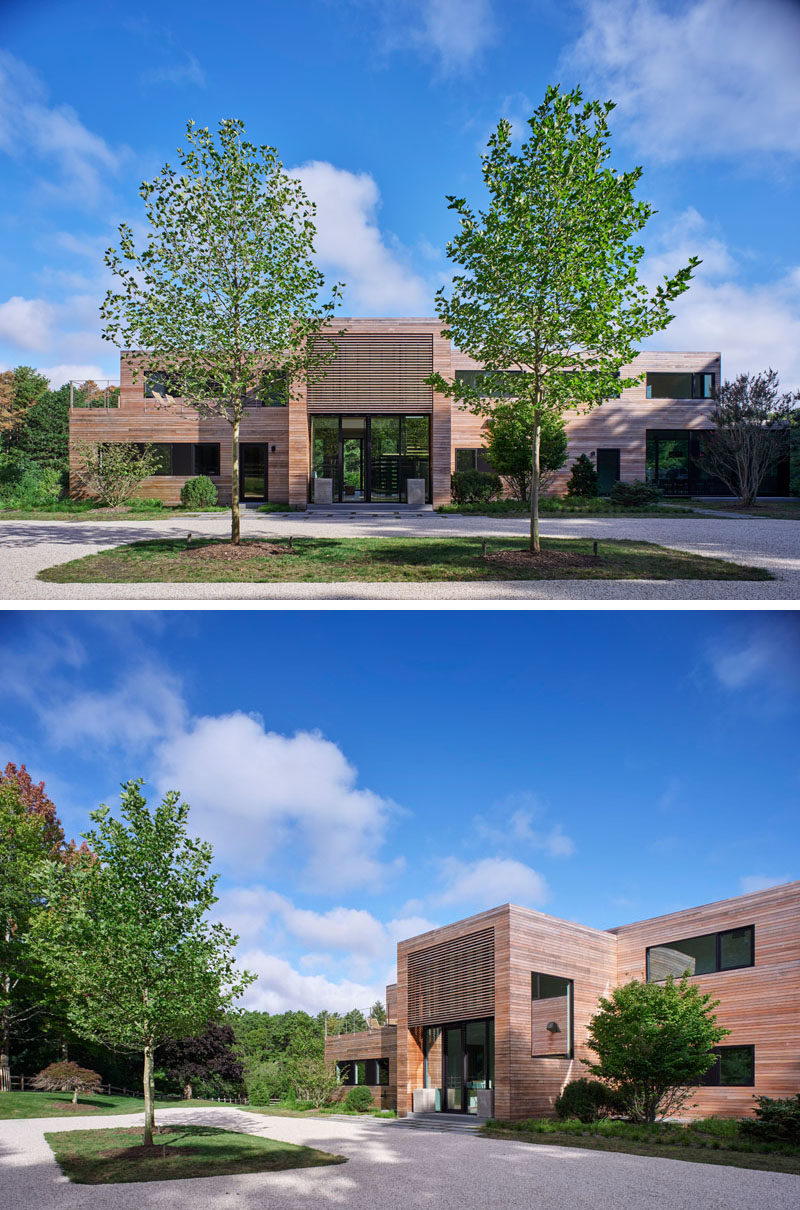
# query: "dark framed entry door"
607,470
253,472
468,1064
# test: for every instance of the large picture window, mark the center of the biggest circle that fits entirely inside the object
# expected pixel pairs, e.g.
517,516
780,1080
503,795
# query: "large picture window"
472,460
734,1067
704,955
551,1016
666,385
372,1072
186,458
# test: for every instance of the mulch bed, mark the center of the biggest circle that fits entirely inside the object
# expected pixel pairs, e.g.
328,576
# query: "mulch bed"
225,552
546,559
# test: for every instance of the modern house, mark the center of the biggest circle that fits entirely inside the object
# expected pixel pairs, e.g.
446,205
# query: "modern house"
372,425
489,1015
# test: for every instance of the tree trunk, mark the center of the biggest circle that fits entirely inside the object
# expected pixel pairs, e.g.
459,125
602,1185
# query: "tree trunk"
535,480
74,1096
235,530
5,1046
187,1091
149,1091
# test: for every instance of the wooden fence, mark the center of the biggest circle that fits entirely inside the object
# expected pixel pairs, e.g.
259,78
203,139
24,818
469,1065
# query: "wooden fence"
25,1084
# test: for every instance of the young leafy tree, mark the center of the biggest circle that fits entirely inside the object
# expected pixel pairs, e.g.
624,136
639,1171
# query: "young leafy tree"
112,470
654,1043
224,298
377,1013
548,301
752,432
509,430
127,940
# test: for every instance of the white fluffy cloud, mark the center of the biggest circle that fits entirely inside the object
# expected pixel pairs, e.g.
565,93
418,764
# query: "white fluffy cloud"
254,791
78,372
280,987
754,326
26,323
351,246
712,77
511,824
451,33
134,714
77,162
491,881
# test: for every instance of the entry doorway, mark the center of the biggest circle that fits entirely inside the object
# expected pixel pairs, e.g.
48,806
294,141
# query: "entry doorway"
253,472
468,1056
607,470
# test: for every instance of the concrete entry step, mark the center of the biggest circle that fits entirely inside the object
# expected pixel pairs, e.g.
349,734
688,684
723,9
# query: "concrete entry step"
451,1123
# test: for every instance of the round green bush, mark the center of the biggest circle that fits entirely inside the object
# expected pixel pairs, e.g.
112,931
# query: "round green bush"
199,493
587,1100
634,494
474,487
359,1098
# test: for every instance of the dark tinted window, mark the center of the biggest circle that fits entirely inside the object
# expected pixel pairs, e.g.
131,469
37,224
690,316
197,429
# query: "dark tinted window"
735,948
182,458
701,955
733,1067
206,458
163,454
551,1016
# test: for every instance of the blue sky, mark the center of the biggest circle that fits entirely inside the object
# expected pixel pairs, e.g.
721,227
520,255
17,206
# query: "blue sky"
366,775
382,108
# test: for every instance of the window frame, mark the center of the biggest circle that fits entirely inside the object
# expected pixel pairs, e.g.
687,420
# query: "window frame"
718,968
716,1068
569,1050
696,383
371,1068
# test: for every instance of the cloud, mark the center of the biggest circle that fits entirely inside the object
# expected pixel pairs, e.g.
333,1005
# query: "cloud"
760,882
742,666
31,128
717,77
452,33
754,326
349,243
77,371
491,881
133,715
26,323
760,663
188,72
280,987
516,828
254,792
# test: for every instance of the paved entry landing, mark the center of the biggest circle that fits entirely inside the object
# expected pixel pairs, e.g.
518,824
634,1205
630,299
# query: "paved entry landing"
446,1122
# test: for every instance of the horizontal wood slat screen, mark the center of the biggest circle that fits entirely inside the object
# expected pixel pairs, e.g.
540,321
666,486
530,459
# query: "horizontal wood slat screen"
375,371
452,981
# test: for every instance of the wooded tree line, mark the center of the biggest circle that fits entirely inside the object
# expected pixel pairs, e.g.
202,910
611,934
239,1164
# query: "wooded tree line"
65,997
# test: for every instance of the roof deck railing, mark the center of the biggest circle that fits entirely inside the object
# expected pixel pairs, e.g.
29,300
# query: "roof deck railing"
88,393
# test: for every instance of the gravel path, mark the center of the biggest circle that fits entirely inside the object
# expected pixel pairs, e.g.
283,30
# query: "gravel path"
392,1168
27,547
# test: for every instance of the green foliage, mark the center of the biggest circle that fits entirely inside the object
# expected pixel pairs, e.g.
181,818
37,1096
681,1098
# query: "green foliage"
474,487
654,1043
358,1099
314,1080
199,492
219,335
44,432
549,303
510,432
752,432
635,494
265,1081
127,943
204,1065
583,479
777,1120
588,1100
67,1077
378,1013
24,484
112,470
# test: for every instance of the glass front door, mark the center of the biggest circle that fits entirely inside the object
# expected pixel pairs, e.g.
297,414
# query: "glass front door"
369,459
468,1064
252,472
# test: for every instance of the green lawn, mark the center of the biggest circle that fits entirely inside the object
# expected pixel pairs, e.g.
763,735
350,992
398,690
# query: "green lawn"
59,1104
771,510
713,1141
415,560
82,510
105,1157
564,506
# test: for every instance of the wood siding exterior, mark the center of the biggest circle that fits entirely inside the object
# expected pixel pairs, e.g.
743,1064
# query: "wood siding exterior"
380,370
758,1004
378,1043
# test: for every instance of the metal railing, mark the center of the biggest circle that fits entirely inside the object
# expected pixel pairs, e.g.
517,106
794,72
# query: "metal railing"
87,393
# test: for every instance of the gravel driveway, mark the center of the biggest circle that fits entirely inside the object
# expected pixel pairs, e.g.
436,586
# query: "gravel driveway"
27,547
391,1168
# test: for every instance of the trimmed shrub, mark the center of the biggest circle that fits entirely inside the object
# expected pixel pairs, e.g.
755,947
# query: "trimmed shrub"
777,1120
359,1098
474,487
588,1100
634,494
199,492
583,479
67,1077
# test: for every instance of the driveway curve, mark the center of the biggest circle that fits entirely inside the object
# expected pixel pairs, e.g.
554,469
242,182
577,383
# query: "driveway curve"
27,547
389,1167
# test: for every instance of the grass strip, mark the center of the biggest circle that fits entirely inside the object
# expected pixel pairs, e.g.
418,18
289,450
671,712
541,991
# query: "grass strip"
564,506
15,1105
711,1152
117,1156
395,559
769,510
